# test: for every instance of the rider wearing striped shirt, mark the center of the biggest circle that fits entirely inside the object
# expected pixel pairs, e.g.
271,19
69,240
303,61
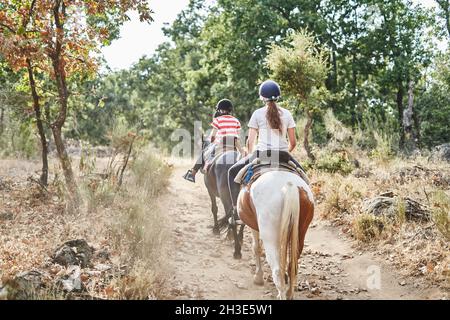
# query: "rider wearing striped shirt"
226,129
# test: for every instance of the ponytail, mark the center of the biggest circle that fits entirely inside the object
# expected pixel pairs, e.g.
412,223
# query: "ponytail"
273,116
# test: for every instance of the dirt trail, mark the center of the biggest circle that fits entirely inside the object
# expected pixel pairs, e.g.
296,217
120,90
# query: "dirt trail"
204,268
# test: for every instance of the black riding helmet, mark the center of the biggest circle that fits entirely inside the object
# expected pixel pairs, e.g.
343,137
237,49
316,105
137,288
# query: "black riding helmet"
270,90
224,105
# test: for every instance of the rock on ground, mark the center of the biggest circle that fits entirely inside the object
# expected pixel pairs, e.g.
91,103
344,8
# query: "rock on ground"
74,252
24,285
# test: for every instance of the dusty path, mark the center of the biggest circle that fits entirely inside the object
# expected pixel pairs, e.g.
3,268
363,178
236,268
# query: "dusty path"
330,268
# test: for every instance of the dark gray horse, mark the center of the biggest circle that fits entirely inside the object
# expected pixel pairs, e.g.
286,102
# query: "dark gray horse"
216,181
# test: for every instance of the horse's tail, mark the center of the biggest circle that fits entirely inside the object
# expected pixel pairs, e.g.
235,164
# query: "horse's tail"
290,217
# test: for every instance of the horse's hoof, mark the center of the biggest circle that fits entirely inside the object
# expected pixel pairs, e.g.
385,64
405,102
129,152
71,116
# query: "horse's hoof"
216,231
237,255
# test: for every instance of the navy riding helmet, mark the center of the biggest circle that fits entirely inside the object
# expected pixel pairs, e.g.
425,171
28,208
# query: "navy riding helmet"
224,105
270,90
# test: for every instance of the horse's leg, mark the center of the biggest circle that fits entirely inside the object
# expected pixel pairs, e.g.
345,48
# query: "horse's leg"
228,207
237,244
214,208
273,259
258,277
241,234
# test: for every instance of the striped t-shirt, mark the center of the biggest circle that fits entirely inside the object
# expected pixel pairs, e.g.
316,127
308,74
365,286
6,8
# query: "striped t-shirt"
226,125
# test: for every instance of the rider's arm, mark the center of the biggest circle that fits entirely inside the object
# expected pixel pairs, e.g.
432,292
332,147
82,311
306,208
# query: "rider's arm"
292,139
252,134
239,147
212,136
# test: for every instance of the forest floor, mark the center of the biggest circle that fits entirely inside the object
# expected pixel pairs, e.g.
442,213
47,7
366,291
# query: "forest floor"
332,266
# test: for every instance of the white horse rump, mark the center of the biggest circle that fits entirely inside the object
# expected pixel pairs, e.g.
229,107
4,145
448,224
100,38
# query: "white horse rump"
284,206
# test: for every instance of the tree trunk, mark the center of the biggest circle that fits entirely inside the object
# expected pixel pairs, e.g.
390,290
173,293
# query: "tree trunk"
57,134
39,124
331,82
307,129
354,85
60,77
408,113
335,71
400,93
447,21
417,130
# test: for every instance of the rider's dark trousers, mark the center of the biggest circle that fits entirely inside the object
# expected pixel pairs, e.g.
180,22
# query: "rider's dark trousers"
234,170
199,163
201,159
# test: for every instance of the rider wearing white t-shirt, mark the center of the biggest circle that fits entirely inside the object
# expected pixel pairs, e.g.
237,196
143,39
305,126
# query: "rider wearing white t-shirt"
268,138
275,128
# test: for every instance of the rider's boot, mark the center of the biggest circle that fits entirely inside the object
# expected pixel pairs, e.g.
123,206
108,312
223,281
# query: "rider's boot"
190,175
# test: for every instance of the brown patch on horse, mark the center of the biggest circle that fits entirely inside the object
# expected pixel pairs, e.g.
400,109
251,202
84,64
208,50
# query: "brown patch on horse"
306,216
247,211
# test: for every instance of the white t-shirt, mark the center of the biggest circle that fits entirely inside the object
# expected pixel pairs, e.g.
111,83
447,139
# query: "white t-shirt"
268,138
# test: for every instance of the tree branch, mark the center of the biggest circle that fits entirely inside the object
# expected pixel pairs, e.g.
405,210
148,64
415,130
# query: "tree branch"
7,27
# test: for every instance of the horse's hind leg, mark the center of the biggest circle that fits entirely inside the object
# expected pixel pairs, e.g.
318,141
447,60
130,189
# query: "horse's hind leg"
237,243
258,277
273,258
241,234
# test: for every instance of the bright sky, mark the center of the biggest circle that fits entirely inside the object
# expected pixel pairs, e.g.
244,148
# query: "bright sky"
138,38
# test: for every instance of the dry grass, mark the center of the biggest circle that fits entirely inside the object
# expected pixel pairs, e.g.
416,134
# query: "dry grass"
340,186
126,223
441,212
417,248
140,229
367,227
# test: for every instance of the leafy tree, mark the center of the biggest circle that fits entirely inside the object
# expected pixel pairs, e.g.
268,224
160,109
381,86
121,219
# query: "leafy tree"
433,104
376,50
301,68
444,12
60,38
405,51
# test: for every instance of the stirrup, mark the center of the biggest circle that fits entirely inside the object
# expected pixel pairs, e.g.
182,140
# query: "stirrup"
233,221
189,176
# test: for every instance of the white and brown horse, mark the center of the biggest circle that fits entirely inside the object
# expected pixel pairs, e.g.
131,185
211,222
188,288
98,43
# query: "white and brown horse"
279,207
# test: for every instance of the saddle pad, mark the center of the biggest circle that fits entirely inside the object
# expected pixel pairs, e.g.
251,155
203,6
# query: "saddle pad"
253,170
219,151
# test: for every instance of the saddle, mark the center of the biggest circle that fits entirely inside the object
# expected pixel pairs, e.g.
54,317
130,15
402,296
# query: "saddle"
211,154
261,165
212,157
250,173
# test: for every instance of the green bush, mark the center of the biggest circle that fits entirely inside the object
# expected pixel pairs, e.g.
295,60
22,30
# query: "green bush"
384,149
367,227
334,162
19,140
